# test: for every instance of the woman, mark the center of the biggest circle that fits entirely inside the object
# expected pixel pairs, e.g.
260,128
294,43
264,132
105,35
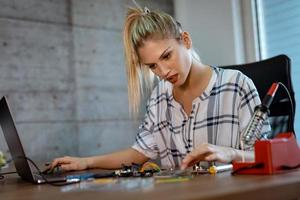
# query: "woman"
195,113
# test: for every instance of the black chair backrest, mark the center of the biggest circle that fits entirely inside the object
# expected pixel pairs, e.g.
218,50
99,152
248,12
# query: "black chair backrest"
263,74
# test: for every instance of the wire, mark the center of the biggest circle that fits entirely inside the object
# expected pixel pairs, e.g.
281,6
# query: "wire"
5,173
39,172
45,178
285,167
254,166
292,111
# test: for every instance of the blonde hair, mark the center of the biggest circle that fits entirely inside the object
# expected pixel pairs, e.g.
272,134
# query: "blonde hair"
140,25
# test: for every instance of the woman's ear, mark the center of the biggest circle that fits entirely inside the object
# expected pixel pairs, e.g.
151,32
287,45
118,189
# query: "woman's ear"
186,39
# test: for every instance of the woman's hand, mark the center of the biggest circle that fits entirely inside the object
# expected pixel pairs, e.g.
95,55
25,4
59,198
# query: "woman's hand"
68,163
209,152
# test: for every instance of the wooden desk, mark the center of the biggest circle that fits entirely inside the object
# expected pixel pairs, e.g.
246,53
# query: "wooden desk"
221,186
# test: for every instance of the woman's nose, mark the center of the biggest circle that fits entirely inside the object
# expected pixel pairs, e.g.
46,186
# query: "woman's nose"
163,72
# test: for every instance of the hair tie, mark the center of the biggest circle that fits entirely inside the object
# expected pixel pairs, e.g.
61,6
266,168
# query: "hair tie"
146,10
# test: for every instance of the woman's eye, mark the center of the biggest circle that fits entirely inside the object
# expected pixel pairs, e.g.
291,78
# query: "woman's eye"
167,56
153,66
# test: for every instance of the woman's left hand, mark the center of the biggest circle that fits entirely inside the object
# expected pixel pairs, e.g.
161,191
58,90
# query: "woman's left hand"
208,152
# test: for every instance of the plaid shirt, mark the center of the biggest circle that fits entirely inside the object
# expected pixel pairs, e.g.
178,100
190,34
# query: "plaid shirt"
218,116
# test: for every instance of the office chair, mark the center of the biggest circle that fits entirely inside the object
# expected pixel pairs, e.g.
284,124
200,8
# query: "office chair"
263,74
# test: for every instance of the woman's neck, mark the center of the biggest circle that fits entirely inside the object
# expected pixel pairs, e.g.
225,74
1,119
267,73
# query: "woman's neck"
195,84
198,76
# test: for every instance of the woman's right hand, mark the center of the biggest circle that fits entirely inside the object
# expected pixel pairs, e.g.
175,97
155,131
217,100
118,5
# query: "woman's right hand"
68,163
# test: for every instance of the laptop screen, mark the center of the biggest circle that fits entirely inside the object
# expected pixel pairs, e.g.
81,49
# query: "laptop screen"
13,141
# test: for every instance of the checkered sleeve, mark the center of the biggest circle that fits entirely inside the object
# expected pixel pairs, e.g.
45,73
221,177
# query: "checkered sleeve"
145,142
249,100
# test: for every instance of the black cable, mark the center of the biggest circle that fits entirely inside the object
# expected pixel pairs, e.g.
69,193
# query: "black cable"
254,166
45,178
285,167
260,165
39,172
5,173
292,111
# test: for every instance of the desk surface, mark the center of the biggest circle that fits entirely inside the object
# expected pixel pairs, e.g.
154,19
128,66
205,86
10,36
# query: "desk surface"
221,186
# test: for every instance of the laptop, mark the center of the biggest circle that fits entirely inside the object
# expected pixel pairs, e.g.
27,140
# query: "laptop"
17,152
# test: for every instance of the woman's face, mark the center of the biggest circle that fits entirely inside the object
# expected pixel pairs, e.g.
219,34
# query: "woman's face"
170,59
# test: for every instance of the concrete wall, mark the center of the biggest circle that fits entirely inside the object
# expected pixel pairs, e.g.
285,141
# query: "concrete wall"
62,68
